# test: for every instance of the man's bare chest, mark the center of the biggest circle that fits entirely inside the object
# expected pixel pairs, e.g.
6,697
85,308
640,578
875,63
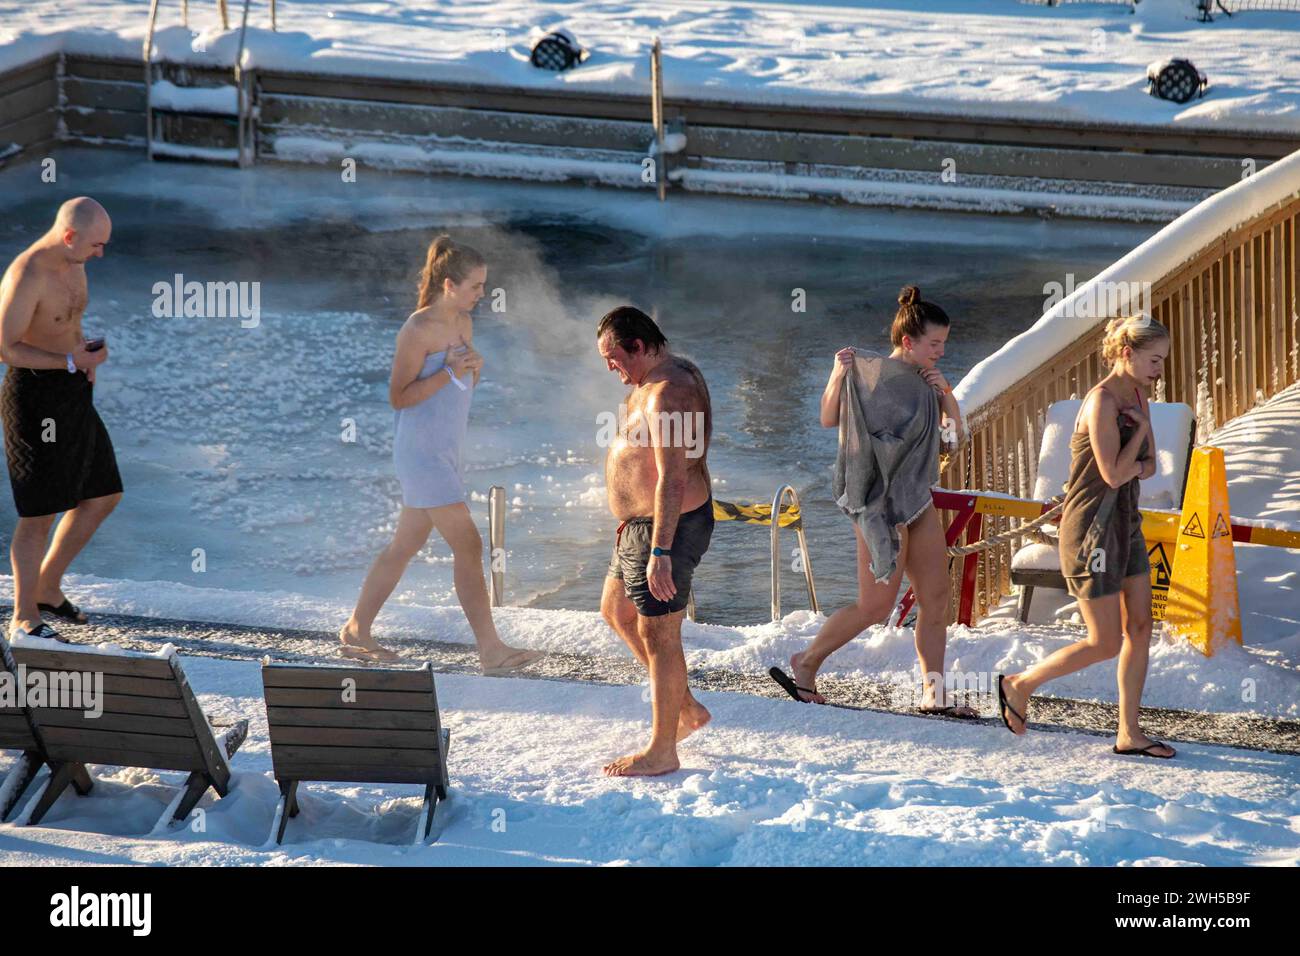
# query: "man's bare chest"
63,299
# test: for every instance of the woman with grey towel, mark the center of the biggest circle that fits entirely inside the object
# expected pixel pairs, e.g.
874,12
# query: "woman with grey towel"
906,380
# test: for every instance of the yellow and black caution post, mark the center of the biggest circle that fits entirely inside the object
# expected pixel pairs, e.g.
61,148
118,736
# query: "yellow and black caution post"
754,514
1202,602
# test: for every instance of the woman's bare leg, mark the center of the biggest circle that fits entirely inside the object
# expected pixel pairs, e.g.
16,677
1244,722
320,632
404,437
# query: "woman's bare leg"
1131,673
413,527
927,570
873,605
457,528
1105,636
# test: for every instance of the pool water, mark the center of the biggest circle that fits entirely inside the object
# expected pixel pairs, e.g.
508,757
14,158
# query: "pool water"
231,439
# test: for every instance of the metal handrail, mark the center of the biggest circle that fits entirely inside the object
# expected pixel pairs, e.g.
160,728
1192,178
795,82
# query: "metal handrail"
657,118
148,78
241,92
496,543
777,501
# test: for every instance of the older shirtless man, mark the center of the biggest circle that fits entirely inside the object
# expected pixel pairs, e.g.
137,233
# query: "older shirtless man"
658,480
58,451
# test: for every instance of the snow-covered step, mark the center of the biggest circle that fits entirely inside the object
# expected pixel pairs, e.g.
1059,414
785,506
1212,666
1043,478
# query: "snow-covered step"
194,116
214,100
206,154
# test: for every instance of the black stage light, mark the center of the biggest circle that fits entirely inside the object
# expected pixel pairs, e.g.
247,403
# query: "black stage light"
1175,79
557,51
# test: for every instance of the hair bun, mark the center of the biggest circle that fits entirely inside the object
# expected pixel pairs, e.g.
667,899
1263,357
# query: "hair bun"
909,295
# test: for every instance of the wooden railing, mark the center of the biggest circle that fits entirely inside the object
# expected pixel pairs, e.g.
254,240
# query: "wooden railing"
1231,311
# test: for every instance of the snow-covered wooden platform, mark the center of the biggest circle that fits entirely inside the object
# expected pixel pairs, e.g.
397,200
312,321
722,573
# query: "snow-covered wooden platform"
945,104
769,782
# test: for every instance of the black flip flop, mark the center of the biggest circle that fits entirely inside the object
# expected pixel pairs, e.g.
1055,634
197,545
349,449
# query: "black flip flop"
950,711
787,683
46,633
1003,707
67,610
1145,751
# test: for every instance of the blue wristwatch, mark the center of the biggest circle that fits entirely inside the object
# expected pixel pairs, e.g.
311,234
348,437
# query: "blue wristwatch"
661,552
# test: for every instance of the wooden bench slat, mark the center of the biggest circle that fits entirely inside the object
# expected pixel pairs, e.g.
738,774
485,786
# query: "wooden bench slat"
104,94
332,678
108,124
141,687
26,76
340,774
353,737
17,740
118,740
151,760
365,700
389,734
97,68
349,717
156,706
133,723
99,663
353,756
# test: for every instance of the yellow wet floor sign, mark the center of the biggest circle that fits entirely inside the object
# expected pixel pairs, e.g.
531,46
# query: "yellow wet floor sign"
1202,600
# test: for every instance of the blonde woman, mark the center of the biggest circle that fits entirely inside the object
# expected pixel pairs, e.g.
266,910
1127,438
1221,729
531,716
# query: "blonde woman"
435,371
1103,553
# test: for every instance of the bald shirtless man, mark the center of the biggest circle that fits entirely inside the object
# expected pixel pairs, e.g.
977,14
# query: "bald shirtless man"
58,451
657,477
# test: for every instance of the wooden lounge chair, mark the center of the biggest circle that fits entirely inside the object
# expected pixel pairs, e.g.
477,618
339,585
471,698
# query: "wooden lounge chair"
18,733
150,719
1039,565
354,725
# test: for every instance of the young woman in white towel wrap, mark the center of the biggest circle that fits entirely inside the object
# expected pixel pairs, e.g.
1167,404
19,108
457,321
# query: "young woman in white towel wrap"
435,372
904,403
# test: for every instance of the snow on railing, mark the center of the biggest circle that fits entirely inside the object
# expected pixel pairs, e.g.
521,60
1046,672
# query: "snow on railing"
1077,315
1222,278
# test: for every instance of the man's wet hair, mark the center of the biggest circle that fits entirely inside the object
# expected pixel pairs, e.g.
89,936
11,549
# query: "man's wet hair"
629,324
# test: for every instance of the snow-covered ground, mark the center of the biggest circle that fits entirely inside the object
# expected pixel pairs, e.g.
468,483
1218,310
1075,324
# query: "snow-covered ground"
1179,676
768,783
1079,62
1263,460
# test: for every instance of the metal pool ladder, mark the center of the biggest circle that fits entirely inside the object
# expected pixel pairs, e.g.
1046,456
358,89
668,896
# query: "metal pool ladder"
787,491
244,151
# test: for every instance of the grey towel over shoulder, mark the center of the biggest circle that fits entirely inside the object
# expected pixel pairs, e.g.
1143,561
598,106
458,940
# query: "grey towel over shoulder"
889,452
